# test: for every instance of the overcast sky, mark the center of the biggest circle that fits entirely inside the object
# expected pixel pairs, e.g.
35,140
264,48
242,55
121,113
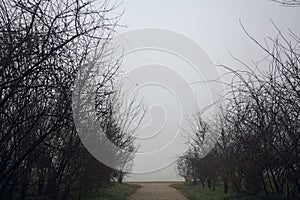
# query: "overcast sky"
215,26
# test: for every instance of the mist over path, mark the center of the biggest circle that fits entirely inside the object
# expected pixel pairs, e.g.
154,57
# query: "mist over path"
156,191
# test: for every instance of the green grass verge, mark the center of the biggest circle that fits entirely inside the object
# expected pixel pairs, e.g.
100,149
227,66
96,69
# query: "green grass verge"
113,191
196,192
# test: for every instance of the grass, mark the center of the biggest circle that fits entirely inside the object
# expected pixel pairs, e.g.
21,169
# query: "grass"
114,191
196,192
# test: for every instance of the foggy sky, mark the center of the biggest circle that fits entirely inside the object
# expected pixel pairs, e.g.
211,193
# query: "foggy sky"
215,26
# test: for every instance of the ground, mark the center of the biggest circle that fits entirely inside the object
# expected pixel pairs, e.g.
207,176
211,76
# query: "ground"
113,191
156,191
197,192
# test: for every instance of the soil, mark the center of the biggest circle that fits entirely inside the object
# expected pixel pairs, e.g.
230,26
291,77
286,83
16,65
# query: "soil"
156,191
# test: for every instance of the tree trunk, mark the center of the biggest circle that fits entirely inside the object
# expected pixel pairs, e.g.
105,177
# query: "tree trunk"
203,183
194,181
209,183
214,183
79,190
225,185
120,178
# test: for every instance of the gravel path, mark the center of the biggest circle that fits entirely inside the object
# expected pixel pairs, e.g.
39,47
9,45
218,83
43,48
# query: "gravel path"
156,191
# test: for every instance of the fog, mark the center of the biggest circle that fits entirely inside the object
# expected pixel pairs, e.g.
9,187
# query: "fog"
160,79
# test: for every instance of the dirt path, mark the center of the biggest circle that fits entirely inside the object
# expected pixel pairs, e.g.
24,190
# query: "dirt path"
156,191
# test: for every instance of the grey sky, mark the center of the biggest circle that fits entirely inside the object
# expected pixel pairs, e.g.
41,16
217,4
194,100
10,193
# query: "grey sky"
214,25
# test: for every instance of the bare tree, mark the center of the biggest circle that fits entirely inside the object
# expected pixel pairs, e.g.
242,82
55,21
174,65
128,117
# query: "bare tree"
288,2
258,146
44,44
